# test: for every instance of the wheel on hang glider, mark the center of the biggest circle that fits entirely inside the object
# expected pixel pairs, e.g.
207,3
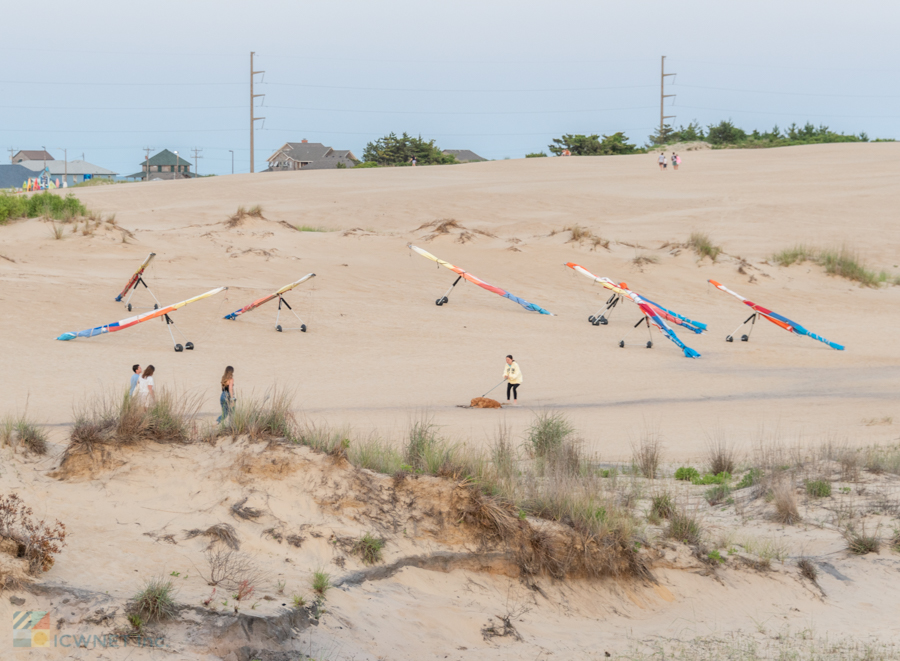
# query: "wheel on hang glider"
603,321
729,339
439,302
745,338
128,307
595,322
302,328
649,344
592,319
189,346
179,348
278,328
621,343
445,300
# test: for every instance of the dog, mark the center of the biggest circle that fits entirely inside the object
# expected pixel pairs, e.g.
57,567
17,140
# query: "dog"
484,403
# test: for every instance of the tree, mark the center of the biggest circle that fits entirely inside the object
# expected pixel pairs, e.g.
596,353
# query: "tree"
391,150
726,133
591,145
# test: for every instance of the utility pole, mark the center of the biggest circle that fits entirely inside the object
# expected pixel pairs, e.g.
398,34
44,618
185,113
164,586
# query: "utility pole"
232,160
147,151
12,152
252,97
66,161
662,97
196,156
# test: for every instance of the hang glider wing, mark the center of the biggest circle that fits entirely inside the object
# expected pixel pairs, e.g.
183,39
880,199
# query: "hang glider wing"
136,276
132,321
265,299
655,314
777,319
481,283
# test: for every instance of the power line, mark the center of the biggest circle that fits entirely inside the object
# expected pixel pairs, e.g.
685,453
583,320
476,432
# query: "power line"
128,108
843,96
429,112
38,82
794,114
442,90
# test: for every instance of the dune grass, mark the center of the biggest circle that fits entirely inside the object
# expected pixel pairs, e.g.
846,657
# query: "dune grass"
842,262
16,430
701,244
44,204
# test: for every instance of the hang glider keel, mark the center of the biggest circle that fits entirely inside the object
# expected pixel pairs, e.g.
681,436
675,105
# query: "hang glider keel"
443,300
774,317
146,316
138,279
281,302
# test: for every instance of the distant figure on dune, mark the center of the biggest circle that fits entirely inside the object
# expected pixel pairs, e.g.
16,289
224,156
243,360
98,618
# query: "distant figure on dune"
226,400
413,160
146,394
135,377
513,376
676,161
662,160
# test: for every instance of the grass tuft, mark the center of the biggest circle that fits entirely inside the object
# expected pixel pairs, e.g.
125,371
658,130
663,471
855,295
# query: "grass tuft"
818,488
720,456
785,500
155,602
662,506
684,527
321,583
860,542
687,473
369,548
808,569
547,433
842,262
647,455
701,244
16,431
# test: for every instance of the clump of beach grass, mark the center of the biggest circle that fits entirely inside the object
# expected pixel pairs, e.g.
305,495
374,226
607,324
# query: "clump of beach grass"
842,262
156,601
684,527
18,430
701,244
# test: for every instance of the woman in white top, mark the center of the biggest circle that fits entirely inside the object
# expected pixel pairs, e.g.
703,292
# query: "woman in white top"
513,377
145,392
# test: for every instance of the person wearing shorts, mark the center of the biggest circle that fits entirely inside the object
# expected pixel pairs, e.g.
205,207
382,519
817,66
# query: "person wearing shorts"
513,377
662,160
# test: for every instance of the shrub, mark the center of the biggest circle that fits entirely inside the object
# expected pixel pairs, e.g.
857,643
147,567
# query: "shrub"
808,569
369,549
321,583
860,542
647,455
45,204
709,478
717,494
751,478
687,473
156,600
684,527
818,488
15,431
715,556
538,154
269,418
37,540
701,244
547,432
720,456
399,150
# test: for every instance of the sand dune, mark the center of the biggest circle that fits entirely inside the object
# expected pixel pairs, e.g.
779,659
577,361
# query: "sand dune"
378,352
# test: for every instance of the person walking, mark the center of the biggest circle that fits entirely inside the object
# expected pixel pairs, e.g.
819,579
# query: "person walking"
135,377
226,399
662,160
145,389
513,377
674,161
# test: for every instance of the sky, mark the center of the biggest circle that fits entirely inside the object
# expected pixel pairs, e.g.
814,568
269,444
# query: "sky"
107,79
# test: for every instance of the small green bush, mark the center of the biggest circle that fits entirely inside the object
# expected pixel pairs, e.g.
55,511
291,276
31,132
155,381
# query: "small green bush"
715,556
156,601
548,432
321,583
684,527
538,154
662,506
687,473
709,478
369,549
717,494
40,204
818,488
750,478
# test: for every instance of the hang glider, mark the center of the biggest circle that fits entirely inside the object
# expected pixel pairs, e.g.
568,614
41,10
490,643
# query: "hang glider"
653,313
138,279
774,317
279,295
618,291
471,278
146,316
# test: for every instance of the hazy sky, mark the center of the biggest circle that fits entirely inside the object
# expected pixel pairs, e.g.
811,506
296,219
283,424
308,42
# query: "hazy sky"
502,78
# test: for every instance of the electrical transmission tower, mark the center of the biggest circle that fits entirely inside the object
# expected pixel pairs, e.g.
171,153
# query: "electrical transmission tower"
662,98
252,97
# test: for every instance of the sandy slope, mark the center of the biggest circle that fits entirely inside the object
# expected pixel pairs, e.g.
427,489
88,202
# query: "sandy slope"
379,352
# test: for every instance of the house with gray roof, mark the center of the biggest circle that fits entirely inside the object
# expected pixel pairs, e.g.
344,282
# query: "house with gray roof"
14,175
463,155
305,155
164,165
72,172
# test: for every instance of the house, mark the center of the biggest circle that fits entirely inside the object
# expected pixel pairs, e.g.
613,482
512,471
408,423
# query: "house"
14,175
305,155
164,165
69,173
31,155
463,155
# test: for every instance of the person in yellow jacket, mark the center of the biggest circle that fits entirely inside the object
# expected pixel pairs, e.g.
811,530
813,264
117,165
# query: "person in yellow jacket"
513,376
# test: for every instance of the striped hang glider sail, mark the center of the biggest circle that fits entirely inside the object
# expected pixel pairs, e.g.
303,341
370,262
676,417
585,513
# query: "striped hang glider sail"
132,321
775,318
137,276
265,299
655,314
471,278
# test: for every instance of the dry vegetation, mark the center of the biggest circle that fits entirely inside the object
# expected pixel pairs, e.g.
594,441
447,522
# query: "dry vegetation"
703,246
23,536
582,235
842,262
238,217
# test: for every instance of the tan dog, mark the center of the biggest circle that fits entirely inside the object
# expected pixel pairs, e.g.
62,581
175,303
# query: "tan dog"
484,403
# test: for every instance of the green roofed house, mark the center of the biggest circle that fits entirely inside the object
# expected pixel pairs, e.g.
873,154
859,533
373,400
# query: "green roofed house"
164,165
